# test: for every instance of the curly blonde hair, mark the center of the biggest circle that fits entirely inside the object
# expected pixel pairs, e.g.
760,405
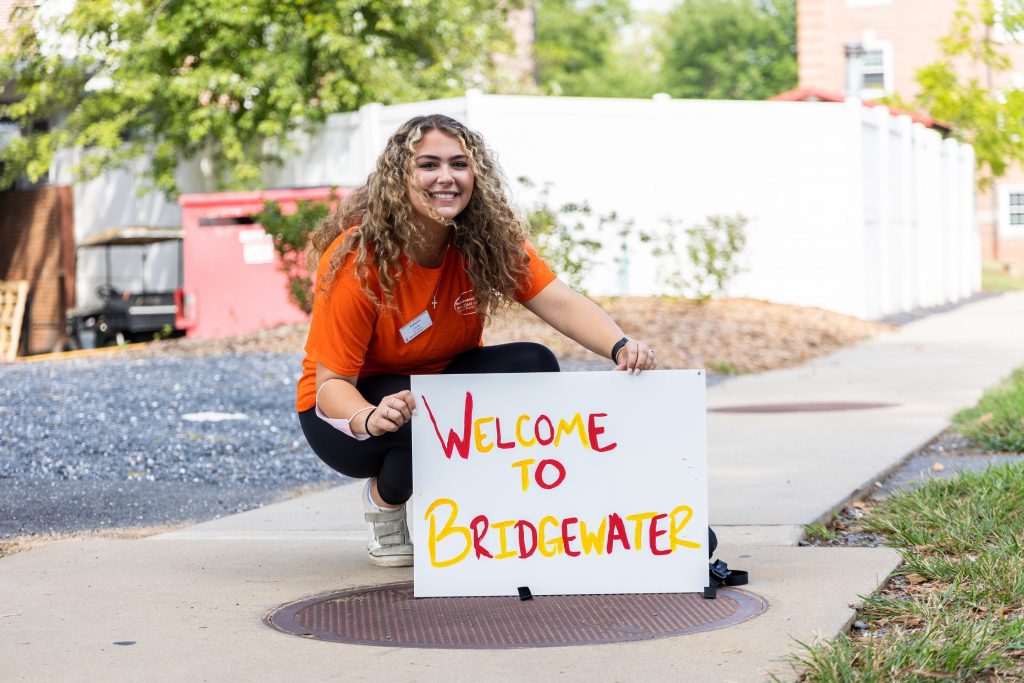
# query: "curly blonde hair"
488,234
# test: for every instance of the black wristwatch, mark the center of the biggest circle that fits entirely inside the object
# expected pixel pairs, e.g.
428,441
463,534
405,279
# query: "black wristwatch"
618,347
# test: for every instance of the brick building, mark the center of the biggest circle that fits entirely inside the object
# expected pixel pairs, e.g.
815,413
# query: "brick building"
872,48
37,245
36,239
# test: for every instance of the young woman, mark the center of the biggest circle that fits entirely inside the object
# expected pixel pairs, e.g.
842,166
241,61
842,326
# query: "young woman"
409,268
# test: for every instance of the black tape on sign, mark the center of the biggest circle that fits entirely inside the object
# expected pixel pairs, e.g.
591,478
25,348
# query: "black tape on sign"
524,593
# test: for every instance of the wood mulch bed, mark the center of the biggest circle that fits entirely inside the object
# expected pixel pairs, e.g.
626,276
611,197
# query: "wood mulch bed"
723,335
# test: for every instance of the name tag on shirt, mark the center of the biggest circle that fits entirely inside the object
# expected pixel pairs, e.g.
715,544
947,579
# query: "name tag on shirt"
416,327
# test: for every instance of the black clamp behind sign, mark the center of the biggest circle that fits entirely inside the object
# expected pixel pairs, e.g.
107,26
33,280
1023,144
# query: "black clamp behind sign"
720,575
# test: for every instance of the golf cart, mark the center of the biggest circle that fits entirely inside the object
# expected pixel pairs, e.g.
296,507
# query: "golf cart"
125,316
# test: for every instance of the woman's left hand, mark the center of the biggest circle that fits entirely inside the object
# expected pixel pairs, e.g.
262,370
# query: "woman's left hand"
635,356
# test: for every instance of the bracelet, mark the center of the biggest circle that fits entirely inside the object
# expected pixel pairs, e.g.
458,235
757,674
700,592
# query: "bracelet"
362,410
366,424
618,347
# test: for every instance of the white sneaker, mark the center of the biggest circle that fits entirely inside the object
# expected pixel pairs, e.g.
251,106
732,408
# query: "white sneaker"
389,544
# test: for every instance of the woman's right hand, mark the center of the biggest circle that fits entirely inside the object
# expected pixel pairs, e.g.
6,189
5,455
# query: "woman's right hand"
392,413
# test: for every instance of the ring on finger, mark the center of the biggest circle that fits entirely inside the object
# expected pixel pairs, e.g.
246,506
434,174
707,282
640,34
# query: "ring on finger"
387,414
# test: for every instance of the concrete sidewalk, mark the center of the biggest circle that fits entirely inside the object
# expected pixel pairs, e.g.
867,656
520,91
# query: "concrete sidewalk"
191,601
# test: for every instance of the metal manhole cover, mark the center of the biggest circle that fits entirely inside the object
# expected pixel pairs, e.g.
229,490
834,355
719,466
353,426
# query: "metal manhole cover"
800,407
390,616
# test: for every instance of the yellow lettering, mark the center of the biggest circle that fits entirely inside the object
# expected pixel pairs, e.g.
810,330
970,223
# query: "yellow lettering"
525,464
676,526
576,423
504,553
479,436
554,546
593,542
638,530
519,432
447,530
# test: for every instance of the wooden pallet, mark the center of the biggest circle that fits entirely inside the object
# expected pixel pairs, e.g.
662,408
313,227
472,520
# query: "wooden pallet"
13,295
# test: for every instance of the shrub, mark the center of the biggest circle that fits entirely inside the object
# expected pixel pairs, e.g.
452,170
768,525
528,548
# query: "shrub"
711,251
291,235
565,235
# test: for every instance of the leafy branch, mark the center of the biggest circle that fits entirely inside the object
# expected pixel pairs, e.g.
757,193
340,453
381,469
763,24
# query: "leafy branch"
702,265
565,234
291,232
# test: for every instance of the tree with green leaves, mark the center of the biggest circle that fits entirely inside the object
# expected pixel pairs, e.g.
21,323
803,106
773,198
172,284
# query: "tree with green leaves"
231,81
575,46
730,49
958,88
633,68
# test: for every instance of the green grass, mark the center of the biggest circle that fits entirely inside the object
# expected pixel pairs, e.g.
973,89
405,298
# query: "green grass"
819,532
956,609
997,422
723,368
994,278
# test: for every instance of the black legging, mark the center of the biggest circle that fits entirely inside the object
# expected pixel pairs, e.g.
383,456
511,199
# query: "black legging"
388,457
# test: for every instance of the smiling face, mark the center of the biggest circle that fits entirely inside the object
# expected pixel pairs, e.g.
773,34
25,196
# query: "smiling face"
442,179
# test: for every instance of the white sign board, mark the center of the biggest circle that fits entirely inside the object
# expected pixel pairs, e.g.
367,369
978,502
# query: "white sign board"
566,483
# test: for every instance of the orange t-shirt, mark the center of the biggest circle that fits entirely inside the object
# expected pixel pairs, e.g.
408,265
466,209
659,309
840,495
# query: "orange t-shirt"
351,336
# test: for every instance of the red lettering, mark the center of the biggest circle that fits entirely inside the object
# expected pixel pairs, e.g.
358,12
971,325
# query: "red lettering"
502,444
453,439
478,535
540,478
551,430
566,537
652,535
616,532
593,431
526,550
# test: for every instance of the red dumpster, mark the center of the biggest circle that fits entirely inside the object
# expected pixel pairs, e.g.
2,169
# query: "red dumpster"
231,281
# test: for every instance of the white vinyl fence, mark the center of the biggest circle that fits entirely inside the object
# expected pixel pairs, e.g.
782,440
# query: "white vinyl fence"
850,209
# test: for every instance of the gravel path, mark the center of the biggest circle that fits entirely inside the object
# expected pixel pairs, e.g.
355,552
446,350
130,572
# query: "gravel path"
88,444
129,441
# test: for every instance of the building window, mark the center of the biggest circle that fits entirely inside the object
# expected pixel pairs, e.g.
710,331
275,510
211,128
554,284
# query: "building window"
873,70
1011,210
869,69
1017,208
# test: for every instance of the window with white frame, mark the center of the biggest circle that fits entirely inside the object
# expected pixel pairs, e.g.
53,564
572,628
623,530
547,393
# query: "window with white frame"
873,70
1011,215
869,69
